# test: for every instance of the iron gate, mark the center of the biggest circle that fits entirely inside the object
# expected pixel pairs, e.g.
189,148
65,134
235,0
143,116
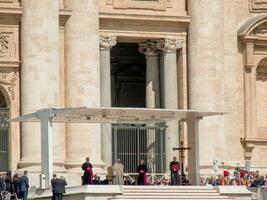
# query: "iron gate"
134,142
4,130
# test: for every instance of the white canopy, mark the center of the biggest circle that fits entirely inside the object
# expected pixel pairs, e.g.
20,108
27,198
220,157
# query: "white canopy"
114,115
47,116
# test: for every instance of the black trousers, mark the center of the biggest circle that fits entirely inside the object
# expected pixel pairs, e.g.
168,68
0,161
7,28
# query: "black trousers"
175,178
57,196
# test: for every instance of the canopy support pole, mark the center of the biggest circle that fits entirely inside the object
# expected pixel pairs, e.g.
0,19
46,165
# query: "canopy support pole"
45,117
193,154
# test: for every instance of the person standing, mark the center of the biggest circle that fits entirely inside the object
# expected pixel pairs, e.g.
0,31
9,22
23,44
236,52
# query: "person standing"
142,170
60,188
15,185
87,167
24,186
118,173
8,183
53,185
174,168
2,185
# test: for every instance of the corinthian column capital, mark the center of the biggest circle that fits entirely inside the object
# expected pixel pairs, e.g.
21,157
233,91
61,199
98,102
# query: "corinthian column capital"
107,42
149,48
169,45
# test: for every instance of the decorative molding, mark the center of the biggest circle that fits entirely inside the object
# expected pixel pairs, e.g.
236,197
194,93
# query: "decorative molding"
169,45
107,42
4,44
160,5
261,72
149,48
248,145
8,79
258,5
64,15
9,50
6,1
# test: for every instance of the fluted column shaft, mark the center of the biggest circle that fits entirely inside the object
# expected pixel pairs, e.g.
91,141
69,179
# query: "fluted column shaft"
169,49
39,73
82,81
152,73
106,43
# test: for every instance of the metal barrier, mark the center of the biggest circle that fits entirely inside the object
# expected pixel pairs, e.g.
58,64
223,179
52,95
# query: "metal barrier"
130,143
151,177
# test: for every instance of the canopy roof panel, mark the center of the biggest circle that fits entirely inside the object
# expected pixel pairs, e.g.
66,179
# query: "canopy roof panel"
114,115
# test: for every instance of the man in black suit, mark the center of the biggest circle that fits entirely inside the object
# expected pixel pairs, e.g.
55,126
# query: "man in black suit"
24,185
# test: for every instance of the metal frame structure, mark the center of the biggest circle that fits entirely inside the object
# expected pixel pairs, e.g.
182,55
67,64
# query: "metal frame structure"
48,116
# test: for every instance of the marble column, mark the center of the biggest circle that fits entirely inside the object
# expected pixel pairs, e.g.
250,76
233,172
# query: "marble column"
169,49
206,75
39,74
152,73
82,83
106,43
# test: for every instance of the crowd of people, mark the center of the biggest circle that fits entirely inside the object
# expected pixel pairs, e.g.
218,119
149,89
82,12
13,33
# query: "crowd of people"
236,178
15,187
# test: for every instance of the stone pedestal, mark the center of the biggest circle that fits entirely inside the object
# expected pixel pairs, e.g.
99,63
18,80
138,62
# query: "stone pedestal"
82,82
106,43
39,76
169,49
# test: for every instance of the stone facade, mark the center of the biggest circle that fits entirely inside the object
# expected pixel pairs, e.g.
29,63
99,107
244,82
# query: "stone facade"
200,55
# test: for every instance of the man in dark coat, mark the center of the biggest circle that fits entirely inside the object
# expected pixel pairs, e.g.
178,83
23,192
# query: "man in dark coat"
175,167
142,170
60,188
53,185
8,182
2,185
24,186
15,185
88,172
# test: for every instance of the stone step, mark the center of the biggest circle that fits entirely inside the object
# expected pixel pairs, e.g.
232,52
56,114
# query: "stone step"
169,191
170,194
168,187
172,197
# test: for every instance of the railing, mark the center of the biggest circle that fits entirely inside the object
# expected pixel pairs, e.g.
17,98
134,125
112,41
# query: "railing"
130,143
151,177
4,131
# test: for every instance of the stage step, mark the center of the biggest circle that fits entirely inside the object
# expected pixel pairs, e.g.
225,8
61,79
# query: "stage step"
169,192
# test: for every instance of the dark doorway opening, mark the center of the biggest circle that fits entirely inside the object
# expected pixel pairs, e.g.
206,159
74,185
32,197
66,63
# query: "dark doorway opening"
128,76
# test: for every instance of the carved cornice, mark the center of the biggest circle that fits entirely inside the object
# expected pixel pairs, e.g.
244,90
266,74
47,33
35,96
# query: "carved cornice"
169,45
107,42
11,13
149,48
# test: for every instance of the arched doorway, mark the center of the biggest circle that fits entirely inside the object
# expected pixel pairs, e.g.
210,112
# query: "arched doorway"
4,133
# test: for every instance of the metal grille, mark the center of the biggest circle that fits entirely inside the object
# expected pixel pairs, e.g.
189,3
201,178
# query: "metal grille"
134,142
4,129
